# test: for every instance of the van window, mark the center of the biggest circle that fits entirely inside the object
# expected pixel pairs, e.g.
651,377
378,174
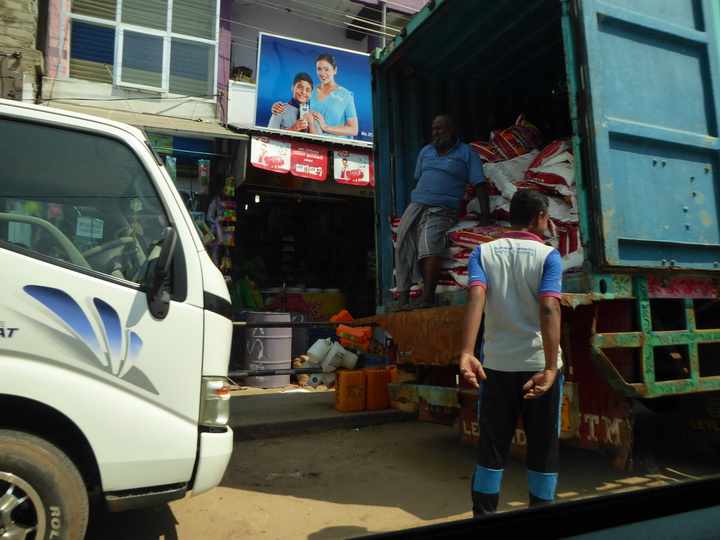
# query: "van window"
79,198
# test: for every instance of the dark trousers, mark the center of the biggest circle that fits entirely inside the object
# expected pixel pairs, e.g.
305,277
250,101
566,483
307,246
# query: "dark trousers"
500,406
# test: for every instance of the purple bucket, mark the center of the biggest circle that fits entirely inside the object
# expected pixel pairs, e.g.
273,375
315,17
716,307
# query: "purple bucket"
268,348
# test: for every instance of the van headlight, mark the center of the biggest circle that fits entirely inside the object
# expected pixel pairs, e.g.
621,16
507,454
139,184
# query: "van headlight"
215,404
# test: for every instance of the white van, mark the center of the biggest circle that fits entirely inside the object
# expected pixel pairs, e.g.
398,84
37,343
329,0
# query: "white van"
115,327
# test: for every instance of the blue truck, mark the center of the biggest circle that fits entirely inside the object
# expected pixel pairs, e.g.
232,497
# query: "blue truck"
635,86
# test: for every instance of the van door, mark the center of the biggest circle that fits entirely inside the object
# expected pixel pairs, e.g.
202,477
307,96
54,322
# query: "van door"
82,221
649,82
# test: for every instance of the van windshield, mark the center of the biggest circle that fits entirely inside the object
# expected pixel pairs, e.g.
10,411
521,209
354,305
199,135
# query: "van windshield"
79,198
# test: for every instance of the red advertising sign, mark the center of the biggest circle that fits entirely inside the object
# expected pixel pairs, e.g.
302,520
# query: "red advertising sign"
270,154
308,160
300,158
354,168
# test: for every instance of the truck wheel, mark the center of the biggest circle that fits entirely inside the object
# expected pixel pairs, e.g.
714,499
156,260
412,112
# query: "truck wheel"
42,494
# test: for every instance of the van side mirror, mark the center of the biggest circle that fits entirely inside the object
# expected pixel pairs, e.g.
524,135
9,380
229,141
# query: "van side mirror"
158,298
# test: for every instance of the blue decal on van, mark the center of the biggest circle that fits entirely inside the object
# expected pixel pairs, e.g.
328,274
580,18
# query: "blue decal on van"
120,348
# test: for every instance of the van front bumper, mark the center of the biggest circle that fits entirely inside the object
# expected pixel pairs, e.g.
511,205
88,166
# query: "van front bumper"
214,454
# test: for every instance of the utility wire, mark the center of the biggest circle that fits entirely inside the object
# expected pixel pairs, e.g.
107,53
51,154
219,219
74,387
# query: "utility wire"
314,15
344,13
311,16
390,31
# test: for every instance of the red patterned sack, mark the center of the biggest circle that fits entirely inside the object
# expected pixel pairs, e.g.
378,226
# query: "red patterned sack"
487,151
554,168
475,236
516,140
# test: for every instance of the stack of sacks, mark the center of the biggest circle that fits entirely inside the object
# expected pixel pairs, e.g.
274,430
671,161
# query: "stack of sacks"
453,275
553,171
467,239
513,160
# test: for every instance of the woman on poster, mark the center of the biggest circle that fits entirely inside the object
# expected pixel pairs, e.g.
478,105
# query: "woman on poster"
332,105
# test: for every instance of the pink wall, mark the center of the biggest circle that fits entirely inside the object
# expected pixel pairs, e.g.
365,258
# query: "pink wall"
224,48
52,54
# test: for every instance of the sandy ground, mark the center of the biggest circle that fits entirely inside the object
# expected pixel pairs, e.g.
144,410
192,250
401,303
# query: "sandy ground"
344,484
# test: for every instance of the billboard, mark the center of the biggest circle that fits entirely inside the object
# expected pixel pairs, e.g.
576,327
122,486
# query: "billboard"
333,83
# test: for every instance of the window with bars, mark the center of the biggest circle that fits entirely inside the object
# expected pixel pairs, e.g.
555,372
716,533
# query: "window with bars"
165,45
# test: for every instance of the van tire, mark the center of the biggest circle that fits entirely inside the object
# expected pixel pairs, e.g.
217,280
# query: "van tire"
42,488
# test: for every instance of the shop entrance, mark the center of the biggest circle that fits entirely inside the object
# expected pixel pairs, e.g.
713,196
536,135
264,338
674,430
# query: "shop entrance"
319,245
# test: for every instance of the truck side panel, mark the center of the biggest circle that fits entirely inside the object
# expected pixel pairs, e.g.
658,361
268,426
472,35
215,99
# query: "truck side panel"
652,83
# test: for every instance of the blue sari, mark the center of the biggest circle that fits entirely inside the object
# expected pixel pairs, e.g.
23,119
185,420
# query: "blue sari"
337,108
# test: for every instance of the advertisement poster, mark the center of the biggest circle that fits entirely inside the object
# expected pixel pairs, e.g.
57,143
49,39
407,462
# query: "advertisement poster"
300,158
354,168
308,160
333,83
270,154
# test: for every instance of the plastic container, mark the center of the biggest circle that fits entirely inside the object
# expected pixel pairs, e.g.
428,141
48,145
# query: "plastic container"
356,334
370,361
320,333
268,348
350,391
377,396
338,356
354,345
319,350
349,360
315,379
343,316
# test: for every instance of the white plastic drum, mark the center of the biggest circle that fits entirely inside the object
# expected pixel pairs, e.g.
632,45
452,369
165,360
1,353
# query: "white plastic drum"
268,348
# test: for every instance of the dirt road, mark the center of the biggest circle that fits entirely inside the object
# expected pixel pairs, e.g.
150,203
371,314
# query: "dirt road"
344,484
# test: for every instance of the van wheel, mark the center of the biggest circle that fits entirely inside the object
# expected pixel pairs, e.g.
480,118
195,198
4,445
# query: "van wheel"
42,494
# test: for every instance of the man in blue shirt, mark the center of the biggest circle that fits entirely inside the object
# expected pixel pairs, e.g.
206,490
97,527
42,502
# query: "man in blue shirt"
444,169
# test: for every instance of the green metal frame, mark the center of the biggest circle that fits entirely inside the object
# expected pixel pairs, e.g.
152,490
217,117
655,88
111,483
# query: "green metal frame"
646,340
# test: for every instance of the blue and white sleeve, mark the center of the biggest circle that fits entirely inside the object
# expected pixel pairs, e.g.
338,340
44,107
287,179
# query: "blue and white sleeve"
551,282
476,273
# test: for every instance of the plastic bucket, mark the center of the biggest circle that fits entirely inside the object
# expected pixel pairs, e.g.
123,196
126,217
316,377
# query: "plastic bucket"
349,360
319,350
315,380
268,348
338,356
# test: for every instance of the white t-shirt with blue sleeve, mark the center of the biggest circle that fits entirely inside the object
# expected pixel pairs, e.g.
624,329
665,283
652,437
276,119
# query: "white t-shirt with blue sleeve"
516,270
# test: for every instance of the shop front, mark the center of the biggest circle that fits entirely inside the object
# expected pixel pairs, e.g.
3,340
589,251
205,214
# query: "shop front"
304,230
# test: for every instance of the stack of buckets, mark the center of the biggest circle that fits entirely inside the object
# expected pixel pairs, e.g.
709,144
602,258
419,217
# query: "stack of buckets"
329,355
356,390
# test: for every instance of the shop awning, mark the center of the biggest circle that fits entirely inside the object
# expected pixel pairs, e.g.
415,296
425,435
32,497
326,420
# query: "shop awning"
156,123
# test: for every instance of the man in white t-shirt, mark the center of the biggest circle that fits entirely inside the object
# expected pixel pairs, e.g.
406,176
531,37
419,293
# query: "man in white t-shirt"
517,281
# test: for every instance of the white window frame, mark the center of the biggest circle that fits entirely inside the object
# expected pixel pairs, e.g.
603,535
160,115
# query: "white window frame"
167,35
